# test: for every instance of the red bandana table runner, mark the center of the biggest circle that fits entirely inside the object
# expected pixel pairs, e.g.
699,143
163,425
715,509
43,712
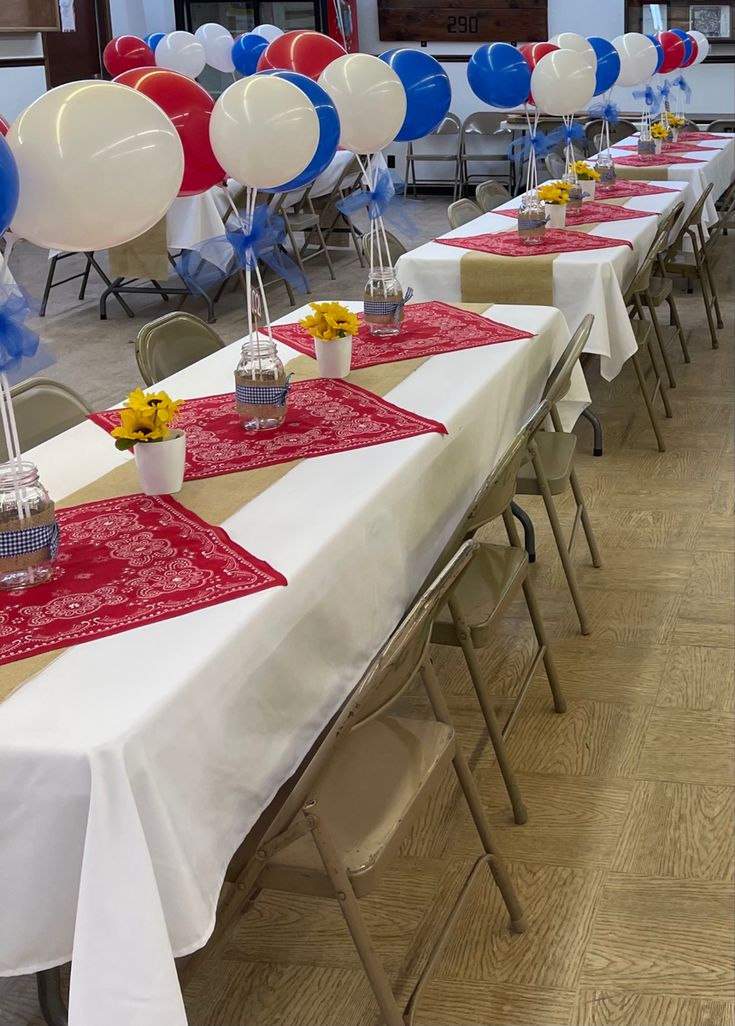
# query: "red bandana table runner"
703,136
125,563
678,147
556,240
427,330
623,189
657,160
324,416
592,212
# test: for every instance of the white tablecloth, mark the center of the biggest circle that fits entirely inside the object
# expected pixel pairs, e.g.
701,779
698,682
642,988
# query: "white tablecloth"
584,282
132,766
717,167
192,219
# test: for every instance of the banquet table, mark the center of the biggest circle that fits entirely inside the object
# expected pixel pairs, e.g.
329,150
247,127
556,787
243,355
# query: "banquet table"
583,282
132,766
716,167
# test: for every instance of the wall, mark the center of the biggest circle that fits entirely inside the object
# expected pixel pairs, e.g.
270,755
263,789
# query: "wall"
141,17
20,86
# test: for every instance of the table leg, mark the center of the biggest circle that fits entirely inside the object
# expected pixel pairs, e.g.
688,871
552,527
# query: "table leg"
50,999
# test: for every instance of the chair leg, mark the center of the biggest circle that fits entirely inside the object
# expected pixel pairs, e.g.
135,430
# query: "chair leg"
713,289
707,299
661,383
586,522
325,250
529,532
49,284
561,545
472,796
647,400
50,1001
661,341
297,255
589,414
348,903
85,275
676,321
491,721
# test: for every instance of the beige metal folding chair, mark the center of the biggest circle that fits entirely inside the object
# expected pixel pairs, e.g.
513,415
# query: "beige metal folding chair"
722,125
366,786
461,212
555,165
304,219
450,127
594,132
490,195
661,289
332,220
491,584
477,128
695,264
550,469
396,249
43,409
172,342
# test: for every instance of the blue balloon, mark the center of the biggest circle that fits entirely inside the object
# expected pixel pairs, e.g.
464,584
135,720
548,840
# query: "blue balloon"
500,75
246,51
608,64
428,91
9,185
329,129
154,39
687,39
659,51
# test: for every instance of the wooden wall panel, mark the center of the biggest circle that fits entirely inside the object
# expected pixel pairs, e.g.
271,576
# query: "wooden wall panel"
29,15
463,20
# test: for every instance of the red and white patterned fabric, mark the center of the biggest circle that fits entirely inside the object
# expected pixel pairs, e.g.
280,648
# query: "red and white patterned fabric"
622,189
703,136
428,329
593,212
677,147
124,563
657,160
324,416
556,240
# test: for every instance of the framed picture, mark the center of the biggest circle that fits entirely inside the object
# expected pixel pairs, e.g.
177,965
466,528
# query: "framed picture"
713,20
655,18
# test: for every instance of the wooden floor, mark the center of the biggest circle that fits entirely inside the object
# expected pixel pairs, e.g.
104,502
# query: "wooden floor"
625,865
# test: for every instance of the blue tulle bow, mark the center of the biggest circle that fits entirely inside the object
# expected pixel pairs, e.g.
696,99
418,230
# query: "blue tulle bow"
609,112
567,135
650,96
536,143
381,202
681,83
665,90
241,248
21,352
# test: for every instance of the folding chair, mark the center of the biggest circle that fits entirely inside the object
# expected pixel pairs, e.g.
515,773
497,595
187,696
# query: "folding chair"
449,127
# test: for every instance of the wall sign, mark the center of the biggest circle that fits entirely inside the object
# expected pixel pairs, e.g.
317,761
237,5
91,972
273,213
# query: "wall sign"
465,21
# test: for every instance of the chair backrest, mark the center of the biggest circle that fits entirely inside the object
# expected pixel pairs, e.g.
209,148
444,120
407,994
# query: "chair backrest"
43,409
385,679
396,249
560,379
594,130
462,211
449,125
482,122
693,220
555,164
171,343
722,125
691,126
490,195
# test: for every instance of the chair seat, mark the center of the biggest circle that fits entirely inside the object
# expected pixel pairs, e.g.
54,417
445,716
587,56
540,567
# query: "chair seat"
683,265
489,584
299,222
556,450
368,799
660,290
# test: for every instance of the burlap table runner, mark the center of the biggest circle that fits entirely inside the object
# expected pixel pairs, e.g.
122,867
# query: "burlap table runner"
650,173
214,499
145,258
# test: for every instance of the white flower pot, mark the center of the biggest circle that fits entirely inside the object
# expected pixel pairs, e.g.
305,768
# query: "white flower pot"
659,144
160,465
334,358
674,134
557,214
588,188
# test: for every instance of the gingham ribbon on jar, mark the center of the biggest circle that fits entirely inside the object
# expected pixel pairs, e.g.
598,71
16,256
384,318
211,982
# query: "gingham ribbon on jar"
24,541
263,395
380,308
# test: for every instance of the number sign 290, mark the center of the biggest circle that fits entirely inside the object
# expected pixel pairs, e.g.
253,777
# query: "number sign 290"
463,25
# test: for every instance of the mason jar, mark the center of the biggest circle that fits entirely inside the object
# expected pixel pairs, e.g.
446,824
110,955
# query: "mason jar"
606,169
261,386
576,193
383,302
532,219
29,532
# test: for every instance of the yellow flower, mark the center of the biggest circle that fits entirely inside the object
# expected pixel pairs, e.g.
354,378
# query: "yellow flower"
330,321
145,418
659,131
585,172
554,192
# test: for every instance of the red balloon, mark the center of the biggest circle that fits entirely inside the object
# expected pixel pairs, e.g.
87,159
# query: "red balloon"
125,53
4,126
533,52
306,52
674,51
190,108
694,54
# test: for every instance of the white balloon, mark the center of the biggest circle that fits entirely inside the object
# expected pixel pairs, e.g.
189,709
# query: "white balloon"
264,131
217,43
573,41
269,32
370,100
562,82
99,165
638,58
702,43
181,52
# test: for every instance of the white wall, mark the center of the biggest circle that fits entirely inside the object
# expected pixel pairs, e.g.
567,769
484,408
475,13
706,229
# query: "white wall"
604,18
141,17
20,86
